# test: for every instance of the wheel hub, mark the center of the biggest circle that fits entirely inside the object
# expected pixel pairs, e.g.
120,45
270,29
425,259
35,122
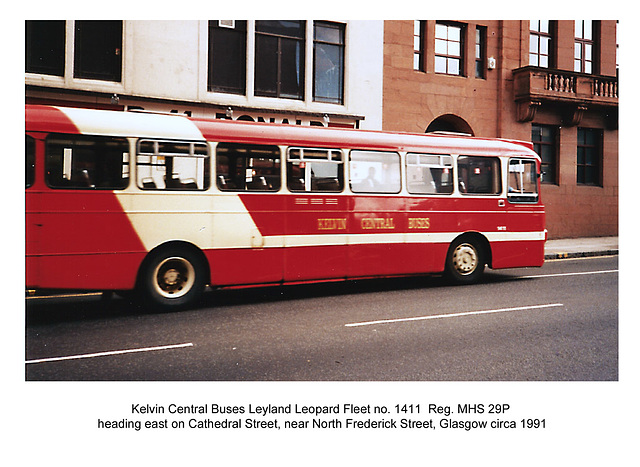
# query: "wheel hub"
465,259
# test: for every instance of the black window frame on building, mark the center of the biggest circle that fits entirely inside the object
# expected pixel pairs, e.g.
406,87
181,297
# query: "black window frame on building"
419,28
328,62
584,57
541,43
280,59
45,47
589,157
227,61
445,48
545,144
98,50
481,52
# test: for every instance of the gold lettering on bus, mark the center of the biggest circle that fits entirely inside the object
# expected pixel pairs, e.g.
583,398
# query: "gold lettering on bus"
332,224
377,223
419,223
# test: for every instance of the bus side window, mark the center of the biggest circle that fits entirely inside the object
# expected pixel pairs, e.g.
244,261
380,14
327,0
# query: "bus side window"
522,181
315,170
429,174
247,167
87,162
30,160
374,172
172,165
479,175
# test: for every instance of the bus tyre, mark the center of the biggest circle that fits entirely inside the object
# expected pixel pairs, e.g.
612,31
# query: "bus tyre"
172,278
465,261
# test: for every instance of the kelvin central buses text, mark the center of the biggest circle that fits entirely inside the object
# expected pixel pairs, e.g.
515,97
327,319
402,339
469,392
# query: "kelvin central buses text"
254,409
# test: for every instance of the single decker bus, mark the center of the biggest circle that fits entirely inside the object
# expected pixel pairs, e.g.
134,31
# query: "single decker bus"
160,206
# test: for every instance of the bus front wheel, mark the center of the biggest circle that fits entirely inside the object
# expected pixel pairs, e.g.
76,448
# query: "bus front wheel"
465,261
172,278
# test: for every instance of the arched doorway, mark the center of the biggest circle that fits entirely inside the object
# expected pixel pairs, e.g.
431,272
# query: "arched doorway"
450,123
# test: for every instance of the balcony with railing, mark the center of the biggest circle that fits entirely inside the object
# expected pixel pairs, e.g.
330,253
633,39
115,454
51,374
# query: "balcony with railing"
534,87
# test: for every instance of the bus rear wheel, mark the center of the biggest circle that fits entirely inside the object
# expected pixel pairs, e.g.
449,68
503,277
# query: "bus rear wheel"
465,261
172,278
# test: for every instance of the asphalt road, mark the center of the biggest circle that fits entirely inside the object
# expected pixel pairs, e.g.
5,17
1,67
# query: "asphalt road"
555,323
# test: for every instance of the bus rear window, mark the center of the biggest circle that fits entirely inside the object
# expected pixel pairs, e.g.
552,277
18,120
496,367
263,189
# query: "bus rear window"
479,175
87,162
30,160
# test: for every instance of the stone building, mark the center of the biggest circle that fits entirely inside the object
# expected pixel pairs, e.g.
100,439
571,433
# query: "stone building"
551,82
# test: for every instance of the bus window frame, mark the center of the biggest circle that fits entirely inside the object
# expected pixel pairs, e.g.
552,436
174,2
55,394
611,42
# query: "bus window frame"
354,186
521,197
333,156
276,156
440,165
66,158
206,169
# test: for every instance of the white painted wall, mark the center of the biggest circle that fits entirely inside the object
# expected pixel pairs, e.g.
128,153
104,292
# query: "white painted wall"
168,60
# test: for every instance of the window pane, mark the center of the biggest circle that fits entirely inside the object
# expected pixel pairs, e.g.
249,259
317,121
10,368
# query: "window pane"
441,46
44,47
375,172
282,28
441,31
429,174
292,69
453,33
315,170
453,49
329,72
88,162
479,175
544,45
453,66
227,57
522,181
98,50
329,64
247,167
441,65
266,65
170,165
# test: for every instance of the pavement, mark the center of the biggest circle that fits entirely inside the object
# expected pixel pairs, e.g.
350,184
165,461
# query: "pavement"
580,247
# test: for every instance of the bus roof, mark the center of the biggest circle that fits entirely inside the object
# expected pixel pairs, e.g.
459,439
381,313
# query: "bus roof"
181,127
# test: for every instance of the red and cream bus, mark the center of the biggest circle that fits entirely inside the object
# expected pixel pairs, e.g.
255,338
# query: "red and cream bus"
165,205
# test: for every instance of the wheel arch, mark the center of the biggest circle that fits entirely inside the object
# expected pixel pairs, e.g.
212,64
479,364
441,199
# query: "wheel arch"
480,240
180,244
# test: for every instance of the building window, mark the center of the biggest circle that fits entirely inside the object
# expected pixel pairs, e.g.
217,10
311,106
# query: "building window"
44,47
544,140
481,40
279,69
328,62
583,47
418,45
227,56
448,49
540,43
589,157
98,50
